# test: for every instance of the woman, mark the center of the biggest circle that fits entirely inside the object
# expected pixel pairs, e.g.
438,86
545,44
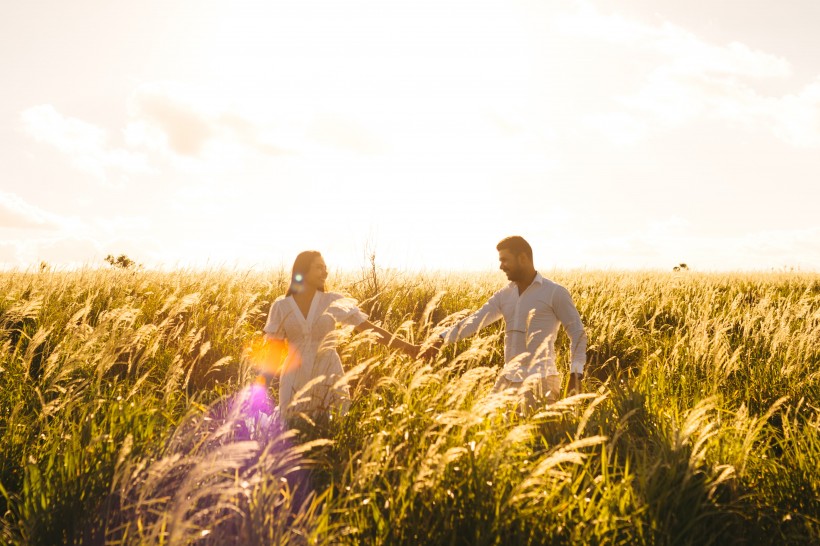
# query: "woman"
306,318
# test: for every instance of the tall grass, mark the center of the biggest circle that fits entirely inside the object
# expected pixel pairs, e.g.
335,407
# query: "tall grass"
124,417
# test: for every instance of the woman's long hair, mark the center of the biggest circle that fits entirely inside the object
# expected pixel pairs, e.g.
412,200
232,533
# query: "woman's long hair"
301,266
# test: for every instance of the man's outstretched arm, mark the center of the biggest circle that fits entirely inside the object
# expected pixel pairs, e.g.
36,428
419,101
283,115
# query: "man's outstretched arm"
489,313
568,314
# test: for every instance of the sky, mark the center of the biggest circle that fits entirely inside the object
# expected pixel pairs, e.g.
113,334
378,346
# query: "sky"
626,134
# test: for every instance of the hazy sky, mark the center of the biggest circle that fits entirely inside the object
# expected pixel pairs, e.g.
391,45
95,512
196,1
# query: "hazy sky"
615,134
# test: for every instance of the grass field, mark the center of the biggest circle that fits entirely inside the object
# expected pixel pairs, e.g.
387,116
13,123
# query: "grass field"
120,420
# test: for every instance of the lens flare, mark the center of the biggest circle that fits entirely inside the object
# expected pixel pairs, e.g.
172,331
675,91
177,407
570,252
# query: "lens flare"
256,400
267,355
272,357
254,416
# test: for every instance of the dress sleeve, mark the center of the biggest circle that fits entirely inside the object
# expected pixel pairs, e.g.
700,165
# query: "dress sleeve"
346,310
275,327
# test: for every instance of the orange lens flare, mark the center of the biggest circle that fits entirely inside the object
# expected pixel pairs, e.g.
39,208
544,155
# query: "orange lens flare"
270,356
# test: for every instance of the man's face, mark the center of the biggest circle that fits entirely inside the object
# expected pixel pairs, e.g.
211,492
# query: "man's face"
510,264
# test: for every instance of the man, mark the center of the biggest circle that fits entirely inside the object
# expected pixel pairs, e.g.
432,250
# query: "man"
532,308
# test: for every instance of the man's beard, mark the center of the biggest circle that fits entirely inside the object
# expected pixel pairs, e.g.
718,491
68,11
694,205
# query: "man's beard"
514,275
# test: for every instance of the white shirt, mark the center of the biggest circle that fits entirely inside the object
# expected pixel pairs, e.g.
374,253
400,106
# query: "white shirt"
311,340
532,321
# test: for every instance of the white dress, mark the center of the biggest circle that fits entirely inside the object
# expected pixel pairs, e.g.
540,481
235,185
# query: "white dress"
312,351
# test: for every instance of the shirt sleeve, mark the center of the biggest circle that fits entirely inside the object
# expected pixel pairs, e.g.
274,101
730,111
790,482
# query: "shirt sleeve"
568,315
346,311
489,313
275,327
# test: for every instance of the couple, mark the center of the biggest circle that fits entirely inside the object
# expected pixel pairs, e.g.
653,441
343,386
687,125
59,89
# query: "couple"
531,306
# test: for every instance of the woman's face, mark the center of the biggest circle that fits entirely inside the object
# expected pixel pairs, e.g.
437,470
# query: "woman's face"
317,274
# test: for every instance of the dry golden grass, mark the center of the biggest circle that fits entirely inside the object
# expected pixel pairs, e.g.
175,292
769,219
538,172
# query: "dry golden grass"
123,420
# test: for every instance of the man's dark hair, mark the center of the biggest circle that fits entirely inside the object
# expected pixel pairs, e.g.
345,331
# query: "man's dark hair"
515,244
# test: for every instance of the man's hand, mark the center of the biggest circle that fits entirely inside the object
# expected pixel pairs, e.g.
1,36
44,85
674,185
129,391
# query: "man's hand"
433,350
574,386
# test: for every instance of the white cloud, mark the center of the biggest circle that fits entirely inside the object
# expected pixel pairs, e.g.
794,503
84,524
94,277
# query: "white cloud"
674,77
702,80
186,128
17,213
62,251
86,145
687,53
698,79
190,122
198,131
797,117
29,235
680,50
88,246
205,134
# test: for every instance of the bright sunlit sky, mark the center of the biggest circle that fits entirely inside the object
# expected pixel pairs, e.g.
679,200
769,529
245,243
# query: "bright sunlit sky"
610,134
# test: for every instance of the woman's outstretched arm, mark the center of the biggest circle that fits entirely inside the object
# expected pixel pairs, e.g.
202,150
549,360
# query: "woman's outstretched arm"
389,340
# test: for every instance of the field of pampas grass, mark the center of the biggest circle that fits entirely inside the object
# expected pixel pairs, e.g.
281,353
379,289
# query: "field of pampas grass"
128,415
